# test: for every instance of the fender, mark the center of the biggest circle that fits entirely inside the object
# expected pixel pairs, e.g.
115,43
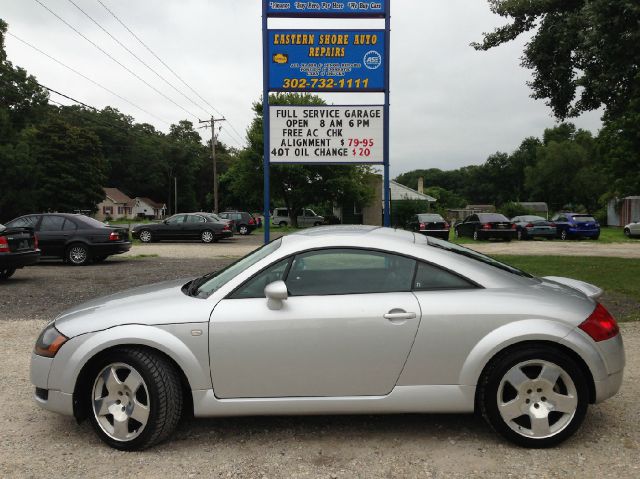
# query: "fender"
508,335
175,340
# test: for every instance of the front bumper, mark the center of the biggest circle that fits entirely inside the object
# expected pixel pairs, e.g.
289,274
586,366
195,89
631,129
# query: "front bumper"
49,399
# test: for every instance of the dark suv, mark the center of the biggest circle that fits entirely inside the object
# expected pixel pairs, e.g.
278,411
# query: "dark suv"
245,223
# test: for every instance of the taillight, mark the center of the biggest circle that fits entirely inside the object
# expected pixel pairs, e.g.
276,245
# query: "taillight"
114,236
252,221
4,245
515,227
600,325
226,228
553,225
486,226
423,226
529,226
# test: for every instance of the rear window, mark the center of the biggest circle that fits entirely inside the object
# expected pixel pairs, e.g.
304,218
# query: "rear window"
585,218
91,222
430,218
492,217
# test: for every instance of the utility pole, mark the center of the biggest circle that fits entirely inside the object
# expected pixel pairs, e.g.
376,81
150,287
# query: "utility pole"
214,141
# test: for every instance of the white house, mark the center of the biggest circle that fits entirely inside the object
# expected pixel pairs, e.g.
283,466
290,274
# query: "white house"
147,208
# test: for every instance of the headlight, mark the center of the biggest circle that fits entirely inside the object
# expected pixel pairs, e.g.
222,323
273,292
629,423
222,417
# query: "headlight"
49,342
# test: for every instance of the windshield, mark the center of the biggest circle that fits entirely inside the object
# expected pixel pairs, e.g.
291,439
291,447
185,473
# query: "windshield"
206,285
492,217
431,217
469,253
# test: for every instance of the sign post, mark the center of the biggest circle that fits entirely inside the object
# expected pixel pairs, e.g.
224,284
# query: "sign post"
322,61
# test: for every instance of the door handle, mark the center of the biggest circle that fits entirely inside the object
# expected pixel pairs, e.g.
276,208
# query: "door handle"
399,316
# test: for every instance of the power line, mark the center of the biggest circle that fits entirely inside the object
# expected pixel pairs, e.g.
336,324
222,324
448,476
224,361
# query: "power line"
87,78
113,59
239,136
134,55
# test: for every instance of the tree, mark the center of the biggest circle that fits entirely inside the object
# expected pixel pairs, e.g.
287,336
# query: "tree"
584,53
296,186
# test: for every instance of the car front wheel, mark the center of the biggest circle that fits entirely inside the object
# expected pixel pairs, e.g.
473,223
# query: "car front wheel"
146,236
535,396
564,236
135,398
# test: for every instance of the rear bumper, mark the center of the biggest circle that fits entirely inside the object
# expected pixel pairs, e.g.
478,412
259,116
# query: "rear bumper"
583,233
19,260
541,233
224,234
107,249
502,234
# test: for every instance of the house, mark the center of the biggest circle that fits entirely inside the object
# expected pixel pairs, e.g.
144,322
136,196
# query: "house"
116,205
372,213
621,212
537,207
147,208
460,214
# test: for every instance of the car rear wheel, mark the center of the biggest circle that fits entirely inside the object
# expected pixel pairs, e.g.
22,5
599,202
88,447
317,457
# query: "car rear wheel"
627,232
282,224
476,236
146,236
243,230
535,396
207,236
135,399
78,254
6,273
456,233
564,236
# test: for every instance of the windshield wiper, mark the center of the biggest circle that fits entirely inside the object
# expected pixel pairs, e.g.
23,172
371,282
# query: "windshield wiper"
192,290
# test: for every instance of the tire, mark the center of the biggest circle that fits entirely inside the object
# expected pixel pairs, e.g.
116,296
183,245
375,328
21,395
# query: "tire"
627,232
564,236
146,236
282,224
476,236
456,233
77,254
243,230
596,237
535,381
207,236
6,273
521,235
317,223
143,389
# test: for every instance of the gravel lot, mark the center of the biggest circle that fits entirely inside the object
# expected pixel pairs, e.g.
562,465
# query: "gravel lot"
35,443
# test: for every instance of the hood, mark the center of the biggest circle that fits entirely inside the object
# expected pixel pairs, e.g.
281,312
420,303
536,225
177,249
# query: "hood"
589,290
161,303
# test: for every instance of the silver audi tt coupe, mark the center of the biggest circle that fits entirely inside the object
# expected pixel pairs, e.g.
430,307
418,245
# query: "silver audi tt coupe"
336,320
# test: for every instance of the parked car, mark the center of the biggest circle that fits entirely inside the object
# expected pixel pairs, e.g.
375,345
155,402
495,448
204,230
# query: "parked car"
307,219
576,225
78,239
245,222
18,248
343,320
184,226
482,226
531,226
429,224
632,229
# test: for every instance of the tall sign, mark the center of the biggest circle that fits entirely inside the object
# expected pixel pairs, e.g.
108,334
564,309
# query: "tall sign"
326,60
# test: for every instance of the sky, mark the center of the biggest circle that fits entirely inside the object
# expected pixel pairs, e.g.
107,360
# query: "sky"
451,106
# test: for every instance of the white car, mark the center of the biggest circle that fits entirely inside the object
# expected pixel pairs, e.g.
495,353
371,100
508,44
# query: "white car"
632,229
337,320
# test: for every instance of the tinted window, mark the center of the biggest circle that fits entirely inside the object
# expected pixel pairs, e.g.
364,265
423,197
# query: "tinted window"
176,219
195,219
52,223
349,271
473,218
584,219
69,225
254,288
492,217
430,218
24,222
429,277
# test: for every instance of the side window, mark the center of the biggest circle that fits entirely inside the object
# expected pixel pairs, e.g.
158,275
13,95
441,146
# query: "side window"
237,216
24,222
52,223
69,225
349,271
429,277
195,219
254,288
174,220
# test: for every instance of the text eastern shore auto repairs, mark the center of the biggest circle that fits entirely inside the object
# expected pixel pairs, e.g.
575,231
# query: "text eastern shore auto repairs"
324,40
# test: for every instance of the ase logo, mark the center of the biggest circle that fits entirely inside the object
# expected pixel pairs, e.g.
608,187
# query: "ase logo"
280,58
372,60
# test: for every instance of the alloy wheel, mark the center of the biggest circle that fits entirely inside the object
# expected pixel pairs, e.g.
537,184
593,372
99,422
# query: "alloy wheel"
145,236
206,236
244,230
120,402
537,399
78,254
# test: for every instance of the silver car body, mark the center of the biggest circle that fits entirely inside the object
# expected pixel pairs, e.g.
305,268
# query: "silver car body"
307,219
634,228
336,354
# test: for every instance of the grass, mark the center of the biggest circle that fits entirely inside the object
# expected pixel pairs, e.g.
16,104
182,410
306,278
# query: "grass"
619,277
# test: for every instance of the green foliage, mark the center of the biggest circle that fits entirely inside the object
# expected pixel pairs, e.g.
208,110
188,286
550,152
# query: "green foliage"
403,210
512,209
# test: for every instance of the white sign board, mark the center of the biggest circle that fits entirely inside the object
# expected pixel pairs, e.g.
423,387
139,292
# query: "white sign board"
327,134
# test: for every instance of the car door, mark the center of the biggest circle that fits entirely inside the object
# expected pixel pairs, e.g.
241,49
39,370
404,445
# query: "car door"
346,329
51,236
172,228
193,226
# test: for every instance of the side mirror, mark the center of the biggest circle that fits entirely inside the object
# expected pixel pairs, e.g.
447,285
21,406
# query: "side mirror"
276,293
